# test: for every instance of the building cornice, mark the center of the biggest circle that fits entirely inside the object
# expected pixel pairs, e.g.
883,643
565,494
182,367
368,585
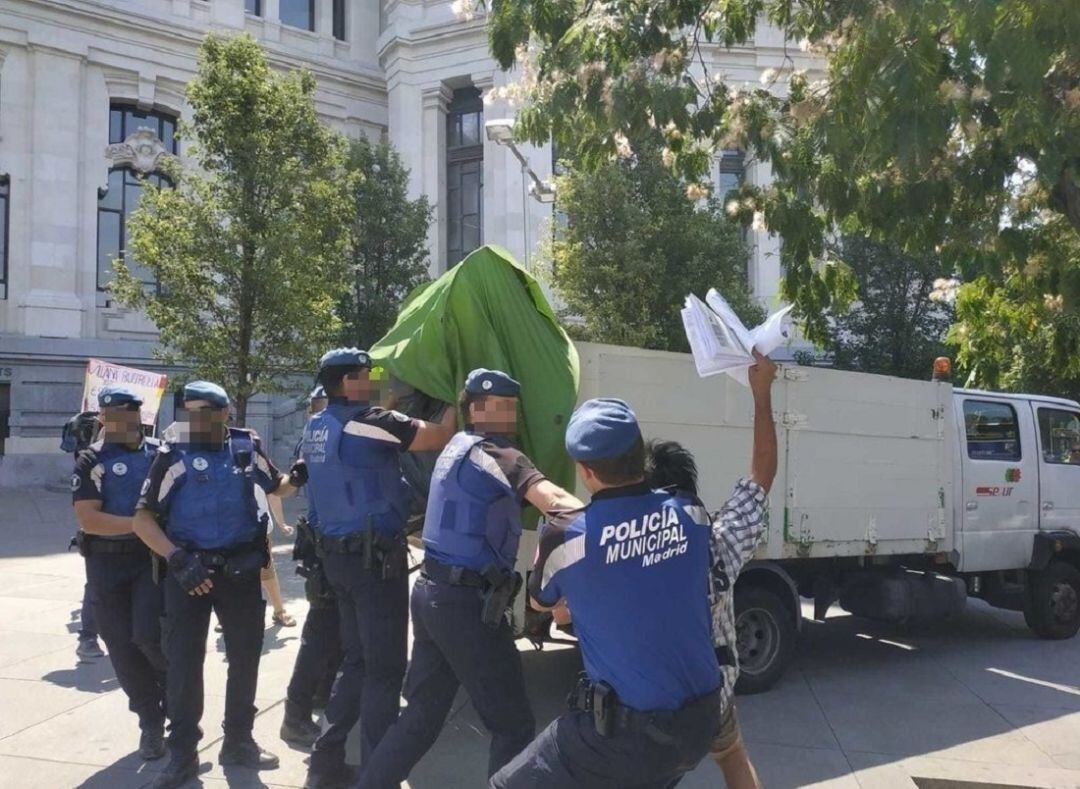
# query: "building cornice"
147,32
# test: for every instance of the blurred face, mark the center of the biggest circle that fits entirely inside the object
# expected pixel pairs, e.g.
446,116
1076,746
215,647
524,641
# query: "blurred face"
494,414
121,424
205,423
357,386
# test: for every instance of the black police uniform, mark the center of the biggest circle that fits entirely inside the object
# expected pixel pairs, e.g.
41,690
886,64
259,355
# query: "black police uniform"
361,501
126,601
461,634
320,652
205,498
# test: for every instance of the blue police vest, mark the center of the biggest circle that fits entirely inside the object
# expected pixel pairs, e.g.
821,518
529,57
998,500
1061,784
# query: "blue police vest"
216,507
125,470
369,491
639,596
473,518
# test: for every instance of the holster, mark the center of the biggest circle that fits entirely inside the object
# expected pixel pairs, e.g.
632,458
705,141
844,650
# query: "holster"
368,552
599,699
79,541
497,597
392,552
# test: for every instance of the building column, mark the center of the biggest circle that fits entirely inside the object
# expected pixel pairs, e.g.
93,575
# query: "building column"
434,103
765,269
51,307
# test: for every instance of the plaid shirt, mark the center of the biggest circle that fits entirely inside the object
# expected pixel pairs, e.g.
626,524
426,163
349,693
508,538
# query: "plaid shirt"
736,533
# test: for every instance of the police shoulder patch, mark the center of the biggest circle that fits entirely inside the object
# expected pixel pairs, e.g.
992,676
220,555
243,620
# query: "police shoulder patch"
76,482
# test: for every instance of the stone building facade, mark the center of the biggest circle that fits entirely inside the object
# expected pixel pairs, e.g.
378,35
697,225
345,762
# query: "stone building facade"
90,92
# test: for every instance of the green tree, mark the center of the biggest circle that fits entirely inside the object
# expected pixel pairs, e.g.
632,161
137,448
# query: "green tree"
389,247
250,248
1014,332
634,245
898,326
950,128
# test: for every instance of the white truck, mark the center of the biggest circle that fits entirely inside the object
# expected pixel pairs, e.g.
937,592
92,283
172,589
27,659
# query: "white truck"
897,499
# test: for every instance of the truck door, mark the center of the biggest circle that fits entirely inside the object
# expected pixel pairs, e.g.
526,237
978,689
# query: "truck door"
1000,471
1059,467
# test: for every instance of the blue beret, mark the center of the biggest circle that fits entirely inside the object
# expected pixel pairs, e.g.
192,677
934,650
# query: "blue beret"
344,357
318,393
600,429
204,390
110,396
491,382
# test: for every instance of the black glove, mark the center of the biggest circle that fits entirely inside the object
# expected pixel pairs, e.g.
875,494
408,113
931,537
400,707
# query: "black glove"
187,570
298,475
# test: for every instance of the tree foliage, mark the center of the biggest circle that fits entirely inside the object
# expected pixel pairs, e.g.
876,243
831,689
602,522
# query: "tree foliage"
899,323
1014,332
389,247
249,249
946,127
633,245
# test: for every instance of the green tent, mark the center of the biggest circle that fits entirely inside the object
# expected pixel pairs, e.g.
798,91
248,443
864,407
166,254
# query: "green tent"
487,311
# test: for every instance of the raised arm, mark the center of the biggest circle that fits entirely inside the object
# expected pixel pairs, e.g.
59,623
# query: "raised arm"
548,497
433,436
763,461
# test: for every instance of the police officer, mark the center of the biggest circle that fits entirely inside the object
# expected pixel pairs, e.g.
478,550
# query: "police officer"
352,453
125,599
461,634
202,490
320,642
633,567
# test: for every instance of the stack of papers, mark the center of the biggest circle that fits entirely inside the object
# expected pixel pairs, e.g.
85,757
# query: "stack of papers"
721,343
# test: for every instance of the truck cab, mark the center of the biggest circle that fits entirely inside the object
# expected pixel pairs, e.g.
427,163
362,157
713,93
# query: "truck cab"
1018,508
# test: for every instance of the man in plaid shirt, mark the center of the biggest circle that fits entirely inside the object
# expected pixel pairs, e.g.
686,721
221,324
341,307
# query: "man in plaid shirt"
736,533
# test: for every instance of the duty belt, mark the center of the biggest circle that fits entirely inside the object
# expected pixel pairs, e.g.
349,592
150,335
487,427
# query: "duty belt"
455,576
216,558
92,543
611,716
350,543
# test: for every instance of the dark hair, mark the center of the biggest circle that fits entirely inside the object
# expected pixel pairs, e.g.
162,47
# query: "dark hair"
668,464
625,469
466,399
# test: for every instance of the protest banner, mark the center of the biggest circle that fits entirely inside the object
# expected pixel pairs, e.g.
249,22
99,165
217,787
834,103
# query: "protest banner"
150,386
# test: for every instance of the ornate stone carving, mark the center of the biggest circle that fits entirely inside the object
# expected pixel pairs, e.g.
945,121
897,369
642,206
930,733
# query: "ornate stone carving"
142,150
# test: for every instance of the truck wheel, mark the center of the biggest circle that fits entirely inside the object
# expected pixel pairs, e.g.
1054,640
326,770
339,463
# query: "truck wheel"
1052,607
764,638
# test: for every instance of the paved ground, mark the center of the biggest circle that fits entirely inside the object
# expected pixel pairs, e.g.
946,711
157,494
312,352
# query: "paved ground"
980,703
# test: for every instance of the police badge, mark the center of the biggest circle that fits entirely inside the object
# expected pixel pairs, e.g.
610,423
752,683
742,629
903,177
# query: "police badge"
119,469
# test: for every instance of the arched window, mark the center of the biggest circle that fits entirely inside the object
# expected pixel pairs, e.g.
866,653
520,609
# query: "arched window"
138,140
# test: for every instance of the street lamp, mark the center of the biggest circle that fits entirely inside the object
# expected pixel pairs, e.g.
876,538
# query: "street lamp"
501,132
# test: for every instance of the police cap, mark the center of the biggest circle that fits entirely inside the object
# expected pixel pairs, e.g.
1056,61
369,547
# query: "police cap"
205,390
600,429
115,396
491,382
344,357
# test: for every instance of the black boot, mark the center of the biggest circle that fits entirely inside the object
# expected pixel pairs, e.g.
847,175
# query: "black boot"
152,743
298,728
178,772
247,753
344,777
